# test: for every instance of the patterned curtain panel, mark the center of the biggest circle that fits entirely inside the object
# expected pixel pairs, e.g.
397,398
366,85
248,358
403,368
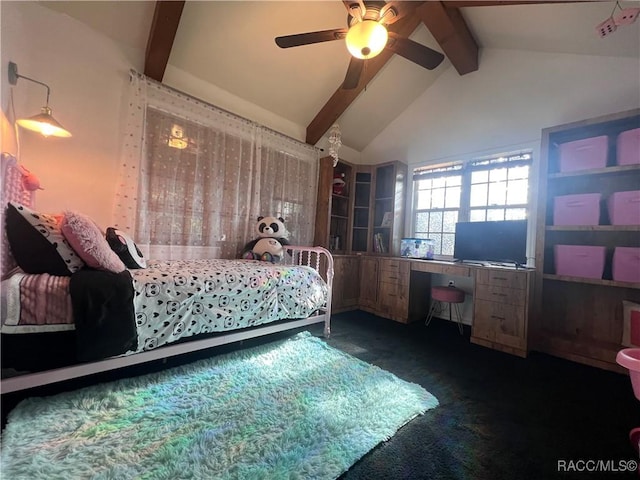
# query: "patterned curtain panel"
194,178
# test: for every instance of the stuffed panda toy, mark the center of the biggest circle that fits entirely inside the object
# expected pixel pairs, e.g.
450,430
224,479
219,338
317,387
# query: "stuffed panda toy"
272,236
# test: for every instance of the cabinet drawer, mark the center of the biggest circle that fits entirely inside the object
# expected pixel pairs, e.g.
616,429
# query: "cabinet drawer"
511,279
501,323
394,271
394,301
497,293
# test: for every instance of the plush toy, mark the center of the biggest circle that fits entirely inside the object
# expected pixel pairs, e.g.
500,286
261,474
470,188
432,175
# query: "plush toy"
272,235
338,183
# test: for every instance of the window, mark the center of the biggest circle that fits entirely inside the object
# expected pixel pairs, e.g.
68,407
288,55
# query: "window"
194,178
488,188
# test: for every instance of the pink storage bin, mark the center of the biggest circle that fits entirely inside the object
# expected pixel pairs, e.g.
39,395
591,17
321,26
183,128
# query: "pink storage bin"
626,264
630,358
628,147
581,209
584,154
624,208
579,260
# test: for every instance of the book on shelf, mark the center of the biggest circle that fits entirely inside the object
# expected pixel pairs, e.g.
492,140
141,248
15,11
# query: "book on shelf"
378,243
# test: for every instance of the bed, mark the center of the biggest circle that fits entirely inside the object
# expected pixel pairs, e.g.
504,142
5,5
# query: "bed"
103,320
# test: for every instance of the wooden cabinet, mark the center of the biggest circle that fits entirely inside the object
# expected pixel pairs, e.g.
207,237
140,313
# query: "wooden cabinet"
393,289
389,288
361,237
368,284
501,304
333,206
581,318
346,283
388,207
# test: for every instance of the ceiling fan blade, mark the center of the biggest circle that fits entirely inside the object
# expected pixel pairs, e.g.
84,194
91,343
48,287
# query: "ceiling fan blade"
417,53
352,78
298,39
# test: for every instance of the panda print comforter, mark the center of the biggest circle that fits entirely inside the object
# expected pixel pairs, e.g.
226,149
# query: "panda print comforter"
177,299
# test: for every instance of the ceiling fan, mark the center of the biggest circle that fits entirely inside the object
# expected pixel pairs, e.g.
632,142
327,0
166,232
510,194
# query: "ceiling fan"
366,36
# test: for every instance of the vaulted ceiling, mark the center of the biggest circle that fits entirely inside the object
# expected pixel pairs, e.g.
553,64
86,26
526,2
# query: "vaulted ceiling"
230,44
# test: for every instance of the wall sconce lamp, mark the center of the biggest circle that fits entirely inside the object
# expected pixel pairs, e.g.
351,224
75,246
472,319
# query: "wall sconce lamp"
44,121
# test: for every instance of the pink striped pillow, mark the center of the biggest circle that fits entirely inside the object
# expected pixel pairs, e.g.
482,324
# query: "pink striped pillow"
88,241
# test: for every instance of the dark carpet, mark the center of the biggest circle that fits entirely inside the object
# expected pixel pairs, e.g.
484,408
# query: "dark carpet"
500,416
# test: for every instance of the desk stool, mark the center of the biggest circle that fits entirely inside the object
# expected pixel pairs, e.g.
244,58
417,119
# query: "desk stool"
451,295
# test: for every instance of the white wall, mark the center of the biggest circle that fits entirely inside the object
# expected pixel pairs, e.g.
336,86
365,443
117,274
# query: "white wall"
87,73
506,103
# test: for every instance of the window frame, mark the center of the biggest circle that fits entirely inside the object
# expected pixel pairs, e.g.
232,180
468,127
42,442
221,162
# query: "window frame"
466,168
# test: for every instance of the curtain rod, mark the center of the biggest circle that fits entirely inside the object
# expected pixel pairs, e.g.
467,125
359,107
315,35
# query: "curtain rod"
135,73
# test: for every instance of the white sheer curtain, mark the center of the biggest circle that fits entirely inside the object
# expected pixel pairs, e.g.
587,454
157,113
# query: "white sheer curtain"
195,178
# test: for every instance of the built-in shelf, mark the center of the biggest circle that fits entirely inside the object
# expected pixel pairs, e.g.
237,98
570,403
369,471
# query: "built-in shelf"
577,318
597,171
593,228
592,281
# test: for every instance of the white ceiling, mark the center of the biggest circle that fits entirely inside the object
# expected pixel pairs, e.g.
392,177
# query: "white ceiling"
231,44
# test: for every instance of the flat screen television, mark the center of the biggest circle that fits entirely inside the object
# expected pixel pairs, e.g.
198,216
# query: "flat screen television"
504,242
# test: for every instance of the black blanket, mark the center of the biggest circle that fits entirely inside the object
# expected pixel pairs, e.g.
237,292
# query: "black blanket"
103,314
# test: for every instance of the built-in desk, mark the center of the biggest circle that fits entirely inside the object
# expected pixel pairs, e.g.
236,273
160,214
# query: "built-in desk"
501,302
399,289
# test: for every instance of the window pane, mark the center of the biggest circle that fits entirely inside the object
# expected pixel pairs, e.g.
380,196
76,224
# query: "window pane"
423,184
478,195
518,192
454,181
516,214
497,193
437,198
423,199
449,221
438,182
478,215
422,219
481,176
519,172
495,214
452,199
435,222
447,244
498,174
437,242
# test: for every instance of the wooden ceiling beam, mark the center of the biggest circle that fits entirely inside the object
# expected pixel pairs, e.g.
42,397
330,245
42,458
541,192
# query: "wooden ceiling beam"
164,26
342,98
452,34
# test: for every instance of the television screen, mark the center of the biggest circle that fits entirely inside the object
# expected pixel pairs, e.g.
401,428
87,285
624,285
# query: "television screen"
504,242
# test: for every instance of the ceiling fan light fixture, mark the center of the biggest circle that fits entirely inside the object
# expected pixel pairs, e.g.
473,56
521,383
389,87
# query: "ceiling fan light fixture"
366,39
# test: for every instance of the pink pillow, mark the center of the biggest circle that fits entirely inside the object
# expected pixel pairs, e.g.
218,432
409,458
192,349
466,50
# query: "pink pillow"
89,242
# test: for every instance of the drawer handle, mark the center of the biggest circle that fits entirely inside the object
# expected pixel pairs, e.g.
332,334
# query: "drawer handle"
497,317
499,294
393,278
499,278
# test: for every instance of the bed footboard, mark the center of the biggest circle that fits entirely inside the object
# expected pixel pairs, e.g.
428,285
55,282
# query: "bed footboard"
320,259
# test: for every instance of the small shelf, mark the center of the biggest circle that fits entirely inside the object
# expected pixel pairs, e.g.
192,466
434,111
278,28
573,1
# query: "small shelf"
593,228
597,171
590,281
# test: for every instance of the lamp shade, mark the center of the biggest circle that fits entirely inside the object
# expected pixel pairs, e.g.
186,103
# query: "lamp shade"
366,39
45,124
